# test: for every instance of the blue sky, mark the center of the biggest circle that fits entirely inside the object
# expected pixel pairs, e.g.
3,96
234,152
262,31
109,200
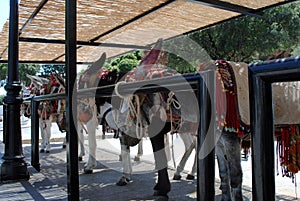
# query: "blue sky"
4,12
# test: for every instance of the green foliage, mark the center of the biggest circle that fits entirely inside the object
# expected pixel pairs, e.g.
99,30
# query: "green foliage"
179,64
3,71
1,99
124,63
48,69
248,38
296,51
127,65
25,69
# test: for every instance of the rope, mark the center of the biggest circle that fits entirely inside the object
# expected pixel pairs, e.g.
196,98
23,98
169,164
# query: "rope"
138,127
173,153
28,110
176,105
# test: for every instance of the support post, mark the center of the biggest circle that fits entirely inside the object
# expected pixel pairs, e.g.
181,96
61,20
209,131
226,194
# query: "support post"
71,101
206,138
262,138
4,126
13,166
35,155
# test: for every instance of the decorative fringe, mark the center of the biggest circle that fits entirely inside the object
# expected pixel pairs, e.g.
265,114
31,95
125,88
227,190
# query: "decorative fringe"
232,121
288,149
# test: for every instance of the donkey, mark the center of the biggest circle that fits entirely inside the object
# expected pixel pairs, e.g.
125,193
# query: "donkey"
156,114
91,109
46,109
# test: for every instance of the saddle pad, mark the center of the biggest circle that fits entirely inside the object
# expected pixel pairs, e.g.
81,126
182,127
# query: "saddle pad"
286,97
241,76
286,102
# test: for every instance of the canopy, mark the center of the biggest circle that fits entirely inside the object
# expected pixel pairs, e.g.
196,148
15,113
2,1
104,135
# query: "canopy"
116,26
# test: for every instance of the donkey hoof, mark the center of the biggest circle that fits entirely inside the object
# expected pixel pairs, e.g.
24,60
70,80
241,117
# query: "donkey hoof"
80,158
161,198
88,171
42,150
64,146
176,177
190,177
136,158
123,181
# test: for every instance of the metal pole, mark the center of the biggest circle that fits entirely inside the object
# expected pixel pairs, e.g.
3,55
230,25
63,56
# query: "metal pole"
4,126
13,166
71,101
262,137
261,76
206,158
35,155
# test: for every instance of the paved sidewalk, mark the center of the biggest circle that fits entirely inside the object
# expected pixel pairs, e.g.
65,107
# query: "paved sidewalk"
38,187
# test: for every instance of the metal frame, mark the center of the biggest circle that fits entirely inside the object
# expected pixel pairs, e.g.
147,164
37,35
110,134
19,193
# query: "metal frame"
83,43
71,99
228,6
261,77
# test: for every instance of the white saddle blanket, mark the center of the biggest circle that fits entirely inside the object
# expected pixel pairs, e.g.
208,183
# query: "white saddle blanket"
286,97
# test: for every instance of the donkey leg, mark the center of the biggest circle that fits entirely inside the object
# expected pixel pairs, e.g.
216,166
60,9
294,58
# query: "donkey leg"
194,168
47,132
65,142
140,151
189,146
126,164
81,142
43,143
223,170
233,151
182,162
91,163
163,185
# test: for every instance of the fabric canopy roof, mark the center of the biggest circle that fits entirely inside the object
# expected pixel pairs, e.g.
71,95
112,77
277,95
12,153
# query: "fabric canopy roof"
116,26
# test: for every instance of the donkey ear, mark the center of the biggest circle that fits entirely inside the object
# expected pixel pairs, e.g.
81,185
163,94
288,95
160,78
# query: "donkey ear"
94,68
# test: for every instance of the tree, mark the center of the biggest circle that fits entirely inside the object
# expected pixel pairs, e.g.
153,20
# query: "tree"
25,69
48,69
125,62
180,65
248,39
3,71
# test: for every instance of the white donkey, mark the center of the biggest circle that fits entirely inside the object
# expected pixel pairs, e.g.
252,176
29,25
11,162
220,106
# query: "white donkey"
87,114
89,108
42,86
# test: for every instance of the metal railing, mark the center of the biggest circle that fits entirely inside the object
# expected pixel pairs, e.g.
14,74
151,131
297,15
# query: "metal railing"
200,83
